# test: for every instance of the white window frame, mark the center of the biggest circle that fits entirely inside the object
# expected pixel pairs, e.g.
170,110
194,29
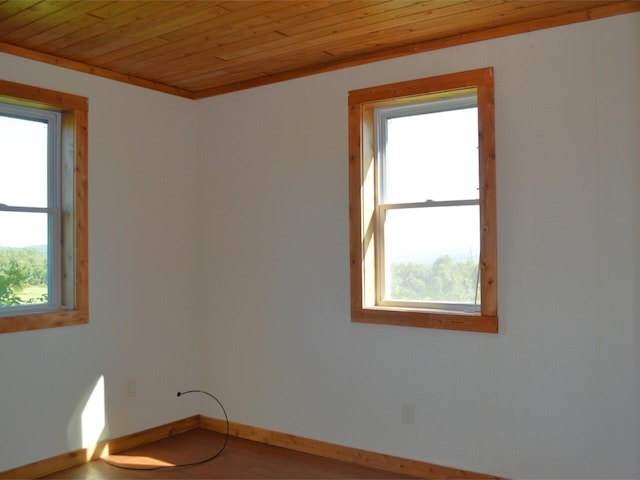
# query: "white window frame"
463,100
53,209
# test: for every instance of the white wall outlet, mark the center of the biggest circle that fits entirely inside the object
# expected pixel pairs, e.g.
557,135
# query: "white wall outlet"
408,413
131,387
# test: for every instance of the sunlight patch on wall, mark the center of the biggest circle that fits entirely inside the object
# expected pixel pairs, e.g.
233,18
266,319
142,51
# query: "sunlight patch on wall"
92,419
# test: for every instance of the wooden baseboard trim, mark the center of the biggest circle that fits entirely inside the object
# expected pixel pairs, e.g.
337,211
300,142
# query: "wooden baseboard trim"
102,449
352,455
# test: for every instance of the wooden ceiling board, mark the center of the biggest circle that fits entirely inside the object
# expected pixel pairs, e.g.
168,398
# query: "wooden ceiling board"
286,49
342,30
30,12
8,9
81,34
177,48
129,39
151,48
215,78
375,42
203,58
241,21
308,41
255,10
43,24
139,50
106,10
370,13
202,48
435,28
438,43
243,71
47,29
116,32
201,61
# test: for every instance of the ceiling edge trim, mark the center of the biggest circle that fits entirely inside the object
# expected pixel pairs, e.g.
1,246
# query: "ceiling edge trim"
97,71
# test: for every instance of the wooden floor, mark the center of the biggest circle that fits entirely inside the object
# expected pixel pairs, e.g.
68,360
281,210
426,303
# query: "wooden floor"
240,459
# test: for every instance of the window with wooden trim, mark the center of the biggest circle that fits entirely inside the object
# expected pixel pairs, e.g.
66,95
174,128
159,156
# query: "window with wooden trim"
43,208
422,201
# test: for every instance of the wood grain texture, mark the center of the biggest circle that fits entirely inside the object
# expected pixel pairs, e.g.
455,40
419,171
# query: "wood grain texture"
400,466
241,459
198,49
251,452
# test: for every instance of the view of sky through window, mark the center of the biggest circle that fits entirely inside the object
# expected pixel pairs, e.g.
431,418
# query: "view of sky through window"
23,181
432,156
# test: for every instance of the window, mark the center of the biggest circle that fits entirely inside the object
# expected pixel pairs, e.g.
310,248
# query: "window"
422,203
43,208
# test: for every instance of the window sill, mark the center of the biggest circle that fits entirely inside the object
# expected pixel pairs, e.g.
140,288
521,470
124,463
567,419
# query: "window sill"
469,322
37,321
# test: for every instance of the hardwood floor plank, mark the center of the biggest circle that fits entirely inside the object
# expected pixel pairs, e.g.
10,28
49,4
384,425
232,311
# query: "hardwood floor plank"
240,459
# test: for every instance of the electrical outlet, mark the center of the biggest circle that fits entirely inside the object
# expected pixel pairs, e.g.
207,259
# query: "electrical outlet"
131,387
409,413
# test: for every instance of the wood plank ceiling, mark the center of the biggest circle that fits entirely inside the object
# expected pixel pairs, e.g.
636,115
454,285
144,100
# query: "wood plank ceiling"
197,49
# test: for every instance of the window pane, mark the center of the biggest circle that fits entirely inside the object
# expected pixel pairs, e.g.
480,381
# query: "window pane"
23,259
431,254
432,156
23,162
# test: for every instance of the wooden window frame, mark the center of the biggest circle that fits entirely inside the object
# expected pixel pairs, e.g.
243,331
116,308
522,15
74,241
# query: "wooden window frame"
362,187
74,228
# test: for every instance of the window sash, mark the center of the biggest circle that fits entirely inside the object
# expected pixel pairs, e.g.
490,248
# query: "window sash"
382,272
53,209
381,116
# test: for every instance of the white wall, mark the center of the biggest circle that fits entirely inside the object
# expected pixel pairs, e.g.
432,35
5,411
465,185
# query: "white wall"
556,394
142,267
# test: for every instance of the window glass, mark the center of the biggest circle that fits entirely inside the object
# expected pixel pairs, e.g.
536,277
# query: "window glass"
23,162
24,260
431,156
28,209
428,214
431,254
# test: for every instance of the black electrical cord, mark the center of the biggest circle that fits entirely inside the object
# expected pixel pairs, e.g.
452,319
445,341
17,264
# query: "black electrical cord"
191,464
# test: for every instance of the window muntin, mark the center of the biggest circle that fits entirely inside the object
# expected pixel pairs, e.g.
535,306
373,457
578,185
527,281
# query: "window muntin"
384,190
53,214
30,209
